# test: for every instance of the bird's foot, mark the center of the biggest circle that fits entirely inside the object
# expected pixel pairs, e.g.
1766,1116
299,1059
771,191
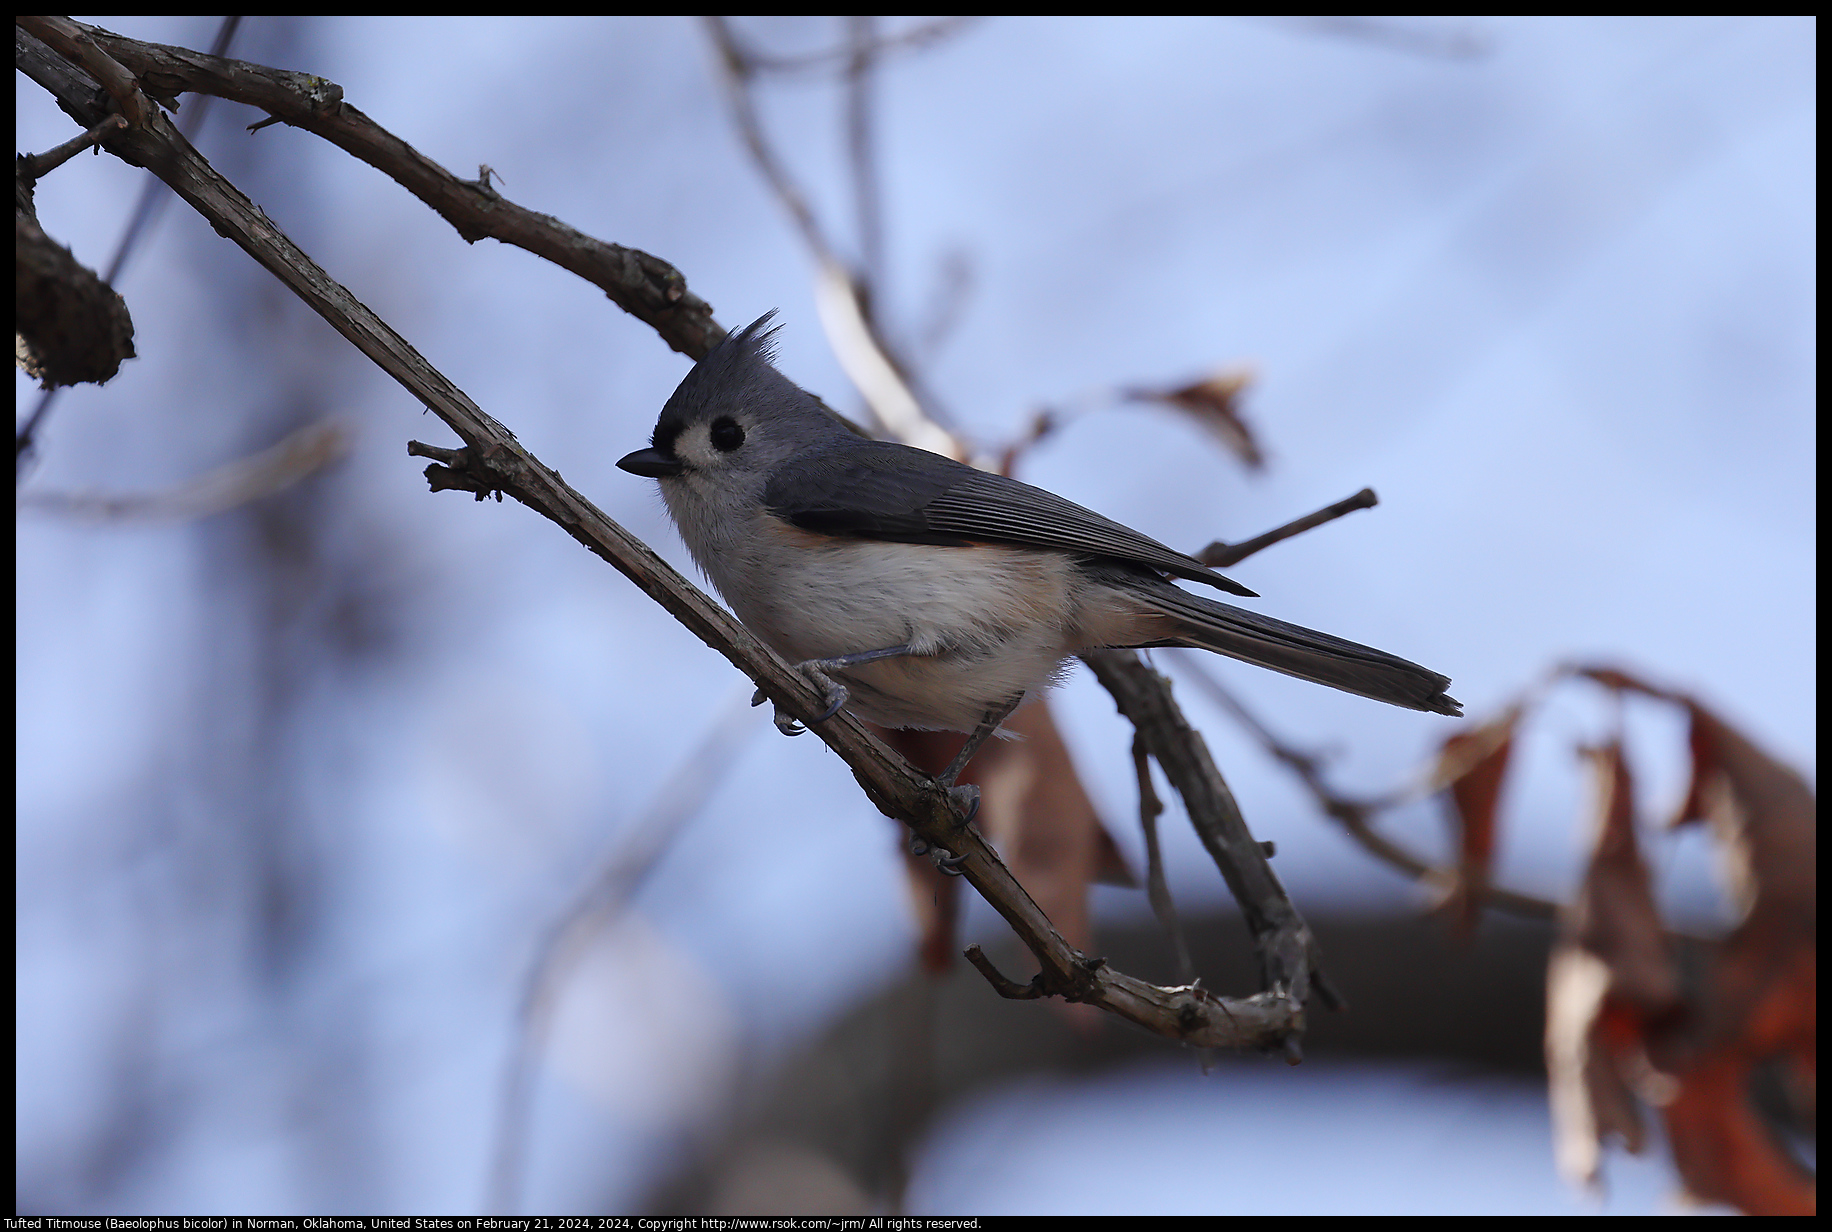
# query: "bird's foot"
833,693
946,862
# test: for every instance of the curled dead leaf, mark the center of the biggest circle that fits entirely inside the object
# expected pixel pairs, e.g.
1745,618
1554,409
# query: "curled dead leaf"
1623,1029
1472,766
1214,402
1612,978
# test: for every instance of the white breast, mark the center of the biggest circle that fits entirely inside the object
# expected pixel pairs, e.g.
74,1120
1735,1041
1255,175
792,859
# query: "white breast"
987,621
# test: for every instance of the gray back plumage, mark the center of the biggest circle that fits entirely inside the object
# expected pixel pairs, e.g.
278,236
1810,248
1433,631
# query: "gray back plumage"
819,477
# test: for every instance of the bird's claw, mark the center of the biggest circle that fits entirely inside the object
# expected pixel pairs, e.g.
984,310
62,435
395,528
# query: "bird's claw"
965,798
835,700
834,693
946,862
832,690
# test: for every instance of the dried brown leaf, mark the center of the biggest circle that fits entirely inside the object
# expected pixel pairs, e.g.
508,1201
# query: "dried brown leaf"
1723,1150
1618,679
1611,982
1615,916
1762,813
1214,402
1472,765
1034,807
1759,1000
1620,1028
1590,1098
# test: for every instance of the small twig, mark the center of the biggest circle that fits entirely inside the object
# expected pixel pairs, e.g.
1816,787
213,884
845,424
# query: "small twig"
300,453
1157,890
1447,42
461,470
1219,555
738,66
1287,950
1003,984
33,167
913,39
862,154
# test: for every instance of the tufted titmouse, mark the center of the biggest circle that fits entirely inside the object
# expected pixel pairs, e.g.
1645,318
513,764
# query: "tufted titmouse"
920,592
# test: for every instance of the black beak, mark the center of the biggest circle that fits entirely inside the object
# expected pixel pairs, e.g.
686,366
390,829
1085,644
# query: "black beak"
651,462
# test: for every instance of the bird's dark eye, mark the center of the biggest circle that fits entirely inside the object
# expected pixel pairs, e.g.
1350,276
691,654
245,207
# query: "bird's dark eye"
727,434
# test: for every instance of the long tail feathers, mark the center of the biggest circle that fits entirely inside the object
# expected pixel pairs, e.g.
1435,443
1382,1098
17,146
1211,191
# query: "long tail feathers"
1304,653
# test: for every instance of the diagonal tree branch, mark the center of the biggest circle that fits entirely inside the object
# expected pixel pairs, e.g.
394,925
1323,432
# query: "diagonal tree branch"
493,461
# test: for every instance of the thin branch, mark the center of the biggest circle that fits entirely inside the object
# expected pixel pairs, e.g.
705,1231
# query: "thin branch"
1219,555
737,65
1287,950
647,288
1001,983
594,909
493,461
862,153
841,298
146,209
1157,889
914,39
33,167
310,449
1442,40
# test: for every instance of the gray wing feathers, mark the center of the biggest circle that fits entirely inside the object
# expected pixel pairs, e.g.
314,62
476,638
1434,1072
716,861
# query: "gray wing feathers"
881,490
985,506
